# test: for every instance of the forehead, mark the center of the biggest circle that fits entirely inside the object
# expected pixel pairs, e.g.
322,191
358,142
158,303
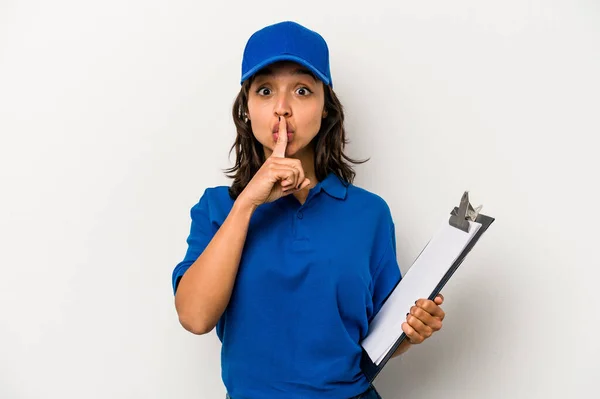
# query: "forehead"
284,68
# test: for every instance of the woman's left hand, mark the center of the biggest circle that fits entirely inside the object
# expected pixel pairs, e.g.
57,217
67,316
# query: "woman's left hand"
424,319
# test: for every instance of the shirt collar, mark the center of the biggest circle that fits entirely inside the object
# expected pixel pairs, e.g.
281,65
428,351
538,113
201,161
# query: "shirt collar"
335,187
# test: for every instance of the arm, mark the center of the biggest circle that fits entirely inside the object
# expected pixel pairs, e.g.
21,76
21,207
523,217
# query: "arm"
205,289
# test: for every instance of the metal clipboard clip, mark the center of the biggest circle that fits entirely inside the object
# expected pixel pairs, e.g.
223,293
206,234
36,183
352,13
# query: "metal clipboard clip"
461,216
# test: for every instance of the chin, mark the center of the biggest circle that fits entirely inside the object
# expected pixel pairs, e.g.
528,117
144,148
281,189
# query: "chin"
290,152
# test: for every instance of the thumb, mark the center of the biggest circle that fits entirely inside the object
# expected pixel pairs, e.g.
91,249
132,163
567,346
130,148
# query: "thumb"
282,139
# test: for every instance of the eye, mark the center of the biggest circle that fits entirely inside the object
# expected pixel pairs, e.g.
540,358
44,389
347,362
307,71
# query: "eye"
303,91
263,91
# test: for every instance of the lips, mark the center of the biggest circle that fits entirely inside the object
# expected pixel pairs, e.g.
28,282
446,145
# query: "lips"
290,128
289,134
276,130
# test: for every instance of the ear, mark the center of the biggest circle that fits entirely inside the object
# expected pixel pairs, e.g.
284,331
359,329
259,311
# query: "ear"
324,113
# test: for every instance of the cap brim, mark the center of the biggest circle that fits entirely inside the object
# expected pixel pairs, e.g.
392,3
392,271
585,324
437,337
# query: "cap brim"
285,57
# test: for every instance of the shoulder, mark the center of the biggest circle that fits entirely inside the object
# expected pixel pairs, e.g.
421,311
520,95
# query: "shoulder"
214,201
369,201
216,194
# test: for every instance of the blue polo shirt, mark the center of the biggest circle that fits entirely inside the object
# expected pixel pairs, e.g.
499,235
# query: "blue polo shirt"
311,278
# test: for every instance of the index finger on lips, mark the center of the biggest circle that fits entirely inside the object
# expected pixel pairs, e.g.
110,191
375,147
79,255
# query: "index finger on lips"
282,139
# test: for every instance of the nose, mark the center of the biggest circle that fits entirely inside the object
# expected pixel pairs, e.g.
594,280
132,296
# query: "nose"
282,106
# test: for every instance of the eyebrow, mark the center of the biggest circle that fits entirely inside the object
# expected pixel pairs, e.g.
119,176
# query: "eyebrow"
299,71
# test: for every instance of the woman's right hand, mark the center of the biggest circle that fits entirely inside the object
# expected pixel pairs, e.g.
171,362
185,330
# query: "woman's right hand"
277,177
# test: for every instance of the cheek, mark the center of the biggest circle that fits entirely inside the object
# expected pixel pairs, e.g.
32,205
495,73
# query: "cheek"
312,121
260,122
258,114
262,135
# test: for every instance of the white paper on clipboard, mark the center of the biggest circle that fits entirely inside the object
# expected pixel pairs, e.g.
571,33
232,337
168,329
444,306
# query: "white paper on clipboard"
419,282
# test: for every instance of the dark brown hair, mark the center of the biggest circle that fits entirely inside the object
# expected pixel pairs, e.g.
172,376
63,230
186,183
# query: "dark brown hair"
329,144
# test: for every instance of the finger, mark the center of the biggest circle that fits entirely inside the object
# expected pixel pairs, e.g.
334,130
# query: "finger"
282,174
282,140
301,176
439,299
304,184
411,334
296,165
290,182
431,307
432,322
296,180
421,328
291,164
290,190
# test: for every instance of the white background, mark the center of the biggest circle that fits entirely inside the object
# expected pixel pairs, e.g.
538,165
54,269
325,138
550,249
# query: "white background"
116,115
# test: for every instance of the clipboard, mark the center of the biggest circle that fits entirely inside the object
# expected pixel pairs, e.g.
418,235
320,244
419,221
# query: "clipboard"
429,273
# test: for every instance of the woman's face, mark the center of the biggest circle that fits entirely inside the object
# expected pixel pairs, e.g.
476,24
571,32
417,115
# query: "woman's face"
288,90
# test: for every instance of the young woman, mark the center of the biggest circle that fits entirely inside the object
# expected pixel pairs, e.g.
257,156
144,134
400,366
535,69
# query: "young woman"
291,262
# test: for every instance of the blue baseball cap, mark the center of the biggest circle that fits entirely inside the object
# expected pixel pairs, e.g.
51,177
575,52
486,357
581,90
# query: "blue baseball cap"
287,41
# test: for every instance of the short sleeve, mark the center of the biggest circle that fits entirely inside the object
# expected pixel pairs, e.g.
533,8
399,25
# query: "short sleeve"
387,274
201,233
